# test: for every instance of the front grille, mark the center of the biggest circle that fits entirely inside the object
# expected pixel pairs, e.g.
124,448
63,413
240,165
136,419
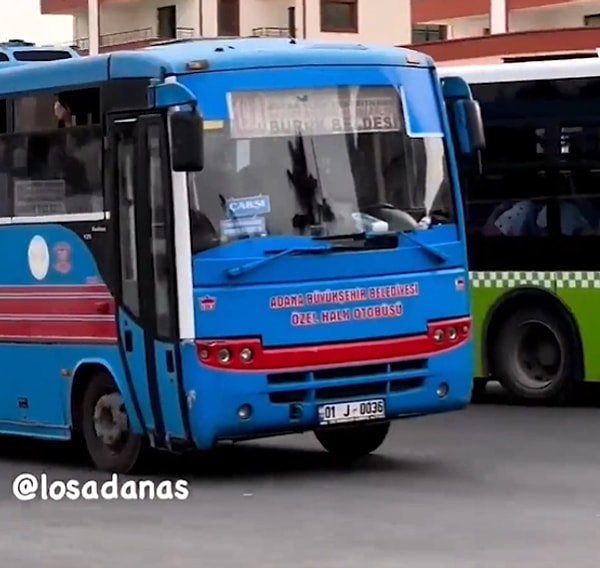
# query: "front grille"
351,391
347,382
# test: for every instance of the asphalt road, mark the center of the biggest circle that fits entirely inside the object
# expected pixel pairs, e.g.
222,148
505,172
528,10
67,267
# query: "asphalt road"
494,486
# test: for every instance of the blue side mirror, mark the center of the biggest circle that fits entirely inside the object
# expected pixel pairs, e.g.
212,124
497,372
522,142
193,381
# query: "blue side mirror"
469,126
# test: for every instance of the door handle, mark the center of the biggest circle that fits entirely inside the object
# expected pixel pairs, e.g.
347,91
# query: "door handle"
128,340
169,361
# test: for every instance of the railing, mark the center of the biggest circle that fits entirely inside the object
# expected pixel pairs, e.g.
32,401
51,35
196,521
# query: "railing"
184,33
271,31
133,36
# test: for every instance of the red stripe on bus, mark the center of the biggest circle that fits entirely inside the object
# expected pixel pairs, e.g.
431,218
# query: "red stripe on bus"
99,330
59,305
45,289
441,336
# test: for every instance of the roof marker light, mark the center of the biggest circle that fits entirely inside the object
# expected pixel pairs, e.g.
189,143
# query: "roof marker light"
201,65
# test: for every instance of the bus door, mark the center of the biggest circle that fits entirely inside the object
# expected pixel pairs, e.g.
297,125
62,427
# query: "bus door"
142,213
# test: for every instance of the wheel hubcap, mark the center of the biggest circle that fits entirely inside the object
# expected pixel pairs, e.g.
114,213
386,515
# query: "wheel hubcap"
110,420
539,355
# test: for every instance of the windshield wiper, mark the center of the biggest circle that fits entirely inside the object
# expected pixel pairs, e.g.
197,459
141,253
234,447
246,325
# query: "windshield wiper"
321,245
429,249
311,248
362,241
388,240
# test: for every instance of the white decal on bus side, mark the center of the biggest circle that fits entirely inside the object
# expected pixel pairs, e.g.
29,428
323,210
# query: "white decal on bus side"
38,257
62,218
183,251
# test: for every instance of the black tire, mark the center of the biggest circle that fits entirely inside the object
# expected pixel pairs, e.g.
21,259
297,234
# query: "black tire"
125,454
479,389
534,356
353,442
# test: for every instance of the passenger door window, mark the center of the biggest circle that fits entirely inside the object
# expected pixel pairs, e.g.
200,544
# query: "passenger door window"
162,258
125,155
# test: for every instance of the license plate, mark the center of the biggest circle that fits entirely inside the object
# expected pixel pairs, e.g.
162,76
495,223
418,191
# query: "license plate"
351,411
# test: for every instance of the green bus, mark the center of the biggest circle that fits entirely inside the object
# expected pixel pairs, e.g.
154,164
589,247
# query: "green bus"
532,202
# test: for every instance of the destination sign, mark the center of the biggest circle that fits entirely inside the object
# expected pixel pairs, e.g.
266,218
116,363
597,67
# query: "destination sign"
259,114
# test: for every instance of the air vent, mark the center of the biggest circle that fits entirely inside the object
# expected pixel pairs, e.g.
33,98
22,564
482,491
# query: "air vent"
41,55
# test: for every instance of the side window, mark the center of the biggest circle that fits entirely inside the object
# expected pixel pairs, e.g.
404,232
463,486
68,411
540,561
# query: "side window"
510,196
4,105
5,193
37,184
82,106
81,168
579,178
52,163
35,113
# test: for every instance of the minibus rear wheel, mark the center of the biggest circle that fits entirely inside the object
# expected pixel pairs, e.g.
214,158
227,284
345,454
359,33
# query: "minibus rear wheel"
353,442
110,443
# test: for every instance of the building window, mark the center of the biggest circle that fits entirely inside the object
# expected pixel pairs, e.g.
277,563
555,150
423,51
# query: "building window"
425,34
229,18
166,17
339,16
592,21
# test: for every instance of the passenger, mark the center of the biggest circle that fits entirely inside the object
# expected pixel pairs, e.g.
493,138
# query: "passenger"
63,114
525,218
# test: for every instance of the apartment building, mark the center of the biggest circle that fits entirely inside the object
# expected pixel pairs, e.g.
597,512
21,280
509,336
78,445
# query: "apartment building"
469,31
127,24
27,22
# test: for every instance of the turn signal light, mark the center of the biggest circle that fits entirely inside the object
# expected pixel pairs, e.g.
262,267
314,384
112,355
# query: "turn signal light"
246,354
226,353
451,331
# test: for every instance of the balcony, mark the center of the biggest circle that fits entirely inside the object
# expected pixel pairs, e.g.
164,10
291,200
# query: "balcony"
271,31
73,6
424,11
131,39
497,46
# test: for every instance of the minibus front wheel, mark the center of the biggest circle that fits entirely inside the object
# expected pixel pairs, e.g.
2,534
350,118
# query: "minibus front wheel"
353,442
110,443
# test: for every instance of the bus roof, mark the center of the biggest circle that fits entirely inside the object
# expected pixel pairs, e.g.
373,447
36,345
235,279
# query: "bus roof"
17,51
235,53
219,54
527,71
